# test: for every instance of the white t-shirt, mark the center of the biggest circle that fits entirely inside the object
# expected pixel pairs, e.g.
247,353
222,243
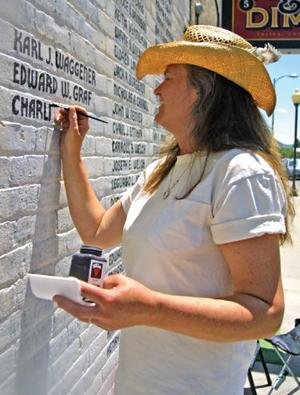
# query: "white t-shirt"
172,246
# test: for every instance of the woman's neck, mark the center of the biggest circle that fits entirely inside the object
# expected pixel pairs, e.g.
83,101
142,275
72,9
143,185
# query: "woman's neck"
185,146
184,140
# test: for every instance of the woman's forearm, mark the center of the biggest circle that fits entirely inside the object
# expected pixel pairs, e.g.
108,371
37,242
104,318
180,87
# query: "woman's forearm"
85,208
124,302
240,317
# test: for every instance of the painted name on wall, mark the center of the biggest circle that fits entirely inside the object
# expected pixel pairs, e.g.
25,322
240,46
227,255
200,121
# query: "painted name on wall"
43,82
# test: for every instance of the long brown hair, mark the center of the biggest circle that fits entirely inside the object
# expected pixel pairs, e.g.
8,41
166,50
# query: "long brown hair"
226,117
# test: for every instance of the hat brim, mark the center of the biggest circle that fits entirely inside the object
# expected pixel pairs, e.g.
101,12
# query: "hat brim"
235,64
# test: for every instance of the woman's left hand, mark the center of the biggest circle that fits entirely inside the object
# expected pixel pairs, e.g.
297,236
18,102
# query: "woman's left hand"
121,303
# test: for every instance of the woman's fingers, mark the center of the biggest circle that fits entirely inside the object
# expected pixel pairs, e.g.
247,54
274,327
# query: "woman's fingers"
65,125
80,110
96,294
73,119
78,121
60,116
83,313
112,281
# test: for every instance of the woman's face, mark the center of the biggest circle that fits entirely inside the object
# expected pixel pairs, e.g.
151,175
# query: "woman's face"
177,97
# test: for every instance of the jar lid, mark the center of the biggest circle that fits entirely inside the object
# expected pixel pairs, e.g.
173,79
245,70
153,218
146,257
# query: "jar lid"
85,249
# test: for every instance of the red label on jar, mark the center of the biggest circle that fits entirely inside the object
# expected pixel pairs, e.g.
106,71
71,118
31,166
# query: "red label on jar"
97,273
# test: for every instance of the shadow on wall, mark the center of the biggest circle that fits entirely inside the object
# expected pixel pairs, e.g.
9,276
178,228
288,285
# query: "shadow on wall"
32,359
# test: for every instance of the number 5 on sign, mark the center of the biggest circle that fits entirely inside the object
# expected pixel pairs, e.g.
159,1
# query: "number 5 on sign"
246,5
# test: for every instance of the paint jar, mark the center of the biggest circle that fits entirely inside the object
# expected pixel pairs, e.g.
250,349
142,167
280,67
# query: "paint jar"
88,265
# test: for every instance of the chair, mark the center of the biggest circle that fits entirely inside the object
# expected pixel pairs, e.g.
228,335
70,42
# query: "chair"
258,353
287,347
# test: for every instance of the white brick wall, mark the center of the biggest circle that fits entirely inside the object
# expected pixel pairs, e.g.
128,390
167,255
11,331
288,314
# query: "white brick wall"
43,350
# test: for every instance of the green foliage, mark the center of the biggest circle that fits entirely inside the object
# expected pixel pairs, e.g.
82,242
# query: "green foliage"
288,152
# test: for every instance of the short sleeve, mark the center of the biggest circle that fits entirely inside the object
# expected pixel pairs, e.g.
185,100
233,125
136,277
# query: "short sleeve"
249,207
132,192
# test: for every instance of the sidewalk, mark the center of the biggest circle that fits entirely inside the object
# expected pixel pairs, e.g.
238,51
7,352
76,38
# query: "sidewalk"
290,264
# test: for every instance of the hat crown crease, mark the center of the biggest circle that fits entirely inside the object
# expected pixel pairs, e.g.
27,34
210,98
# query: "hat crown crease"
203,33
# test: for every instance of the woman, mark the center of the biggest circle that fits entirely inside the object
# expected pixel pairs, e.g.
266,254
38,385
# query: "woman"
200,230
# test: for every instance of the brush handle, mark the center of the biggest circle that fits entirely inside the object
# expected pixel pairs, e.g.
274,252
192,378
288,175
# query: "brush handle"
79,112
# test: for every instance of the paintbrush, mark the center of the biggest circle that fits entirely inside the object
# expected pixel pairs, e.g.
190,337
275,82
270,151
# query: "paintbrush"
78,112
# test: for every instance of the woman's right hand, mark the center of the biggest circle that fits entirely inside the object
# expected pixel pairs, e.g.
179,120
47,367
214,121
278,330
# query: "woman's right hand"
74,127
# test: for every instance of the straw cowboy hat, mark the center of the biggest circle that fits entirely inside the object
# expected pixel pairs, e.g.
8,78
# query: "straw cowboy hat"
221,51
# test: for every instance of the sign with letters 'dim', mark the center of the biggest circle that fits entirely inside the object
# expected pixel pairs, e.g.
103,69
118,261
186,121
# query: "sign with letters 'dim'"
261,21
